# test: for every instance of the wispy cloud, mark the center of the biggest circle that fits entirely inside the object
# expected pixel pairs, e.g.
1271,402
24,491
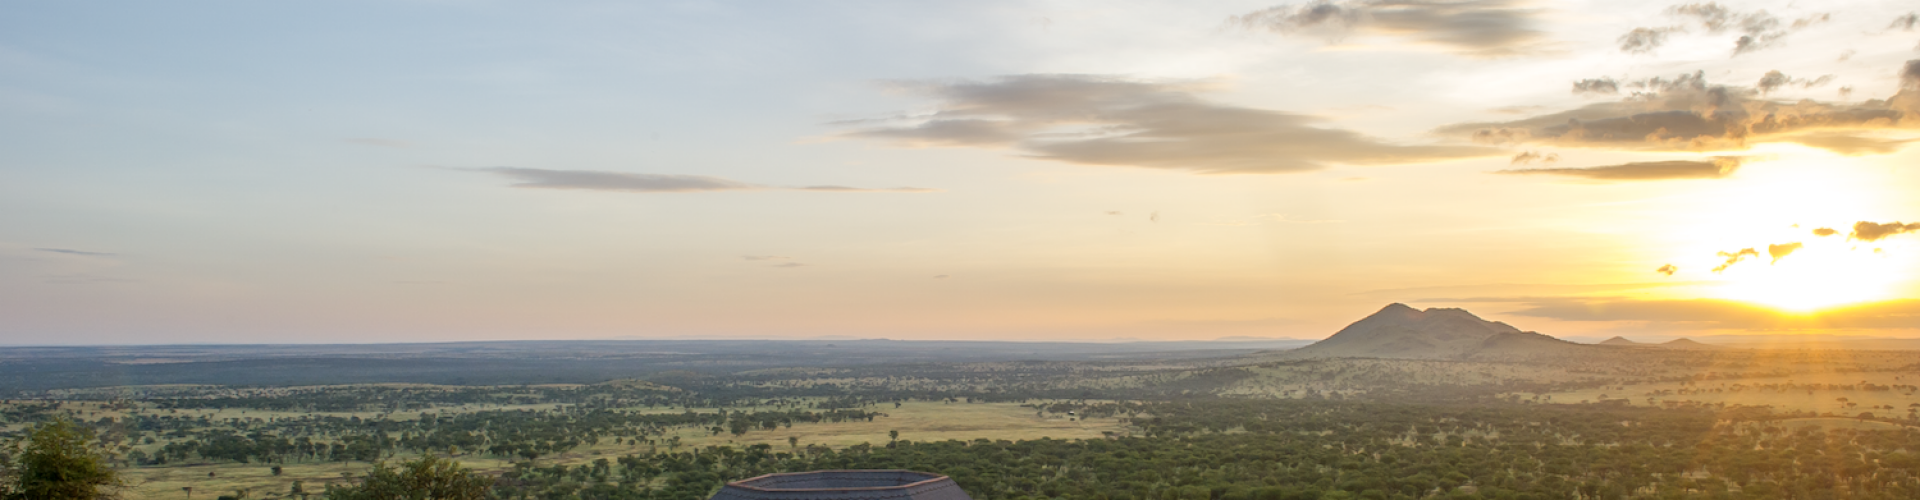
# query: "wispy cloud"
1687,113
1482,28
1757,29
1104,120
594,180
70,251
1735,258
1714,168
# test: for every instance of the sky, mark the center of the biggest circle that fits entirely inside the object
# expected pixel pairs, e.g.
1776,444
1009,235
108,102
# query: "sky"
444,170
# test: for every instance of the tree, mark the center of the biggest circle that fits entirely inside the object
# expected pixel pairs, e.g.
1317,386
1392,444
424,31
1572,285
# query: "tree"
58,462
429,478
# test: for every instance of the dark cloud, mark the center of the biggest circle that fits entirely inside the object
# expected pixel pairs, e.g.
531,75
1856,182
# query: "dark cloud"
1688,114
1099,120
1825,231
789,265
647,183
1757,29
1906,22
1644,40
1481,28
1716,168
1910,75
1735,258
1531,157
1712,313
1596,86
1775,80
1782,250
1668,270
1875,231
70,251
764,257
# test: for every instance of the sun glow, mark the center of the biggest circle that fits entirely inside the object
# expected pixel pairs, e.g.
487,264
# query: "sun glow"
1820,275
1754,236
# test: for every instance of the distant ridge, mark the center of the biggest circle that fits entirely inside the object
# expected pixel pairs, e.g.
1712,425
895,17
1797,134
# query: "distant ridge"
1620,341
1400,331
1684,343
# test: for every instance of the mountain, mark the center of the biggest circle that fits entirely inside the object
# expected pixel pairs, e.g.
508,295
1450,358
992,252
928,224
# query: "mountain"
1620,341
1399,331
1687,344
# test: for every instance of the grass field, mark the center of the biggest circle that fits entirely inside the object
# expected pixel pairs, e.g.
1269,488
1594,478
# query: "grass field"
916,421
1836,394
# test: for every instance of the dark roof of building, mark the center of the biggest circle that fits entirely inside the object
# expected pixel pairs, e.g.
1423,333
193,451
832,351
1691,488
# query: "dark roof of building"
844,485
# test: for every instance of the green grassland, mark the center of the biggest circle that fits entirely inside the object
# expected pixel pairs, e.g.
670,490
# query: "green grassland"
1886,394
915,421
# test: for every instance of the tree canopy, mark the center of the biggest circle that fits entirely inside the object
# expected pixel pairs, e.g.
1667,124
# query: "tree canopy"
57,461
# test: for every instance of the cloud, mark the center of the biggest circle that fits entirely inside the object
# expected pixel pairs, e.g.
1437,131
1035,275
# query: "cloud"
1906,22
1668,269
1644,40
1479,28
1101,120
1688,114
1910,75
1758,29
1715,168
1530,157
594,180
1735,258
70,251
1847,143
1782,250
1714,313
764,257
1775,80
1825,231
1873,231
1596,86
940,277
789,265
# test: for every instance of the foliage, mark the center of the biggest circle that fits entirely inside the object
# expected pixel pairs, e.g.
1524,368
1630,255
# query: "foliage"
429,478
58,462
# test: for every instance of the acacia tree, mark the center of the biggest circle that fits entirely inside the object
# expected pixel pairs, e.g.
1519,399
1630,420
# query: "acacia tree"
429,478
57,461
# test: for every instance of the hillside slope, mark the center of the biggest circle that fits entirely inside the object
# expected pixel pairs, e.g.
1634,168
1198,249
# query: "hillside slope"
1400,331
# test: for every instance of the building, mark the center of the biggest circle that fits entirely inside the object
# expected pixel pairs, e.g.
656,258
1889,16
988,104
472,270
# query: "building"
844,485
